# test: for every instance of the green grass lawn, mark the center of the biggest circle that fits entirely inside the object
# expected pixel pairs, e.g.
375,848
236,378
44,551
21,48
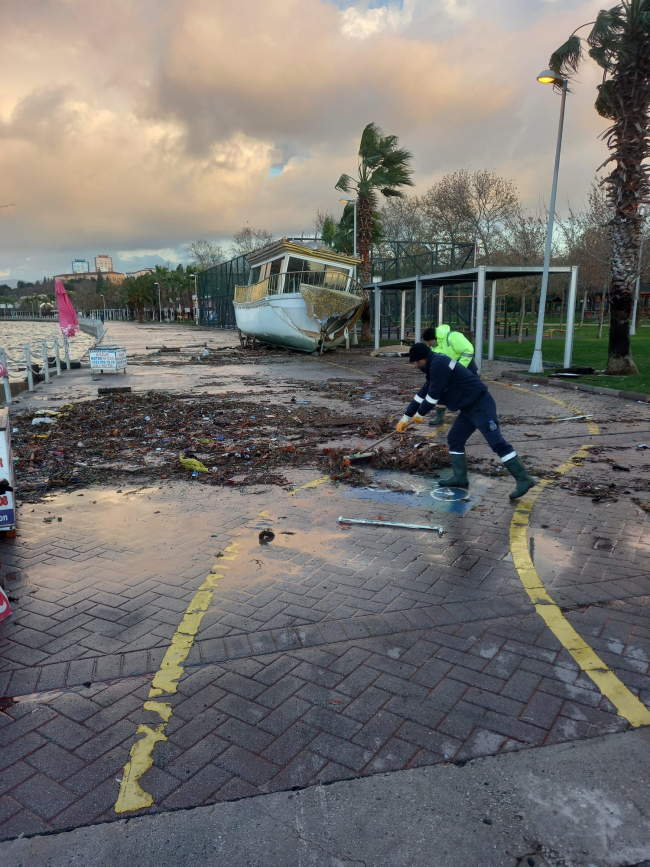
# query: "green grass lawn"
589,351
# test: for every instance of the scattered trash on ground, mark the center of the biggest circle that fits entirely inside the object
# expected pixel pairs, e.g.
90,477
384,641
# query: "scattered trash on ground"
267,535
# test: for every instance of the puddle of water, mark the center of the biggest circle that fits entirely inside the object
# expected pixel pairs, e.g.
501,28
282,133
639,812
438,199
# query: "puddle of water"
403,489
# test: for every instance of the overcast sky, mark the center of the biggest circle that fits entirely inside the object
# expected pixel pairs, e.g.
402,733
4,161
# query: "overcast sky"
131,127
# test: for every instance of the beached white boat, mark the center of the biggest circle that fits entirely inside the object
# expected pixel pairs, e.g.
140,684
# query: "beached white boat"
298,296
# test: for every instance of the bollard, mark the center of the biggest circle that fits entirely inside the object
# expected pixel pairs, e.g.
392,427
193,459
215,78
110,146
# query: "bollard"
5,379
46,363
56,356
66,352
30,372
347,339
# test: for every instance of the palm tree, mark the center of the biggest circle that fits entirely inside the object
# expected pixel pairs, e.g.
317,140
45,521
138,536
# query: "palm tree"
619,42
384,168
137,292
340,236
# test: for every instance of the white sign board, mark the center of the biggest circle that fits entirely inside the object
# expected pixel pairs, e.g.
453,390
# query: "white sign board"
7,503
108,358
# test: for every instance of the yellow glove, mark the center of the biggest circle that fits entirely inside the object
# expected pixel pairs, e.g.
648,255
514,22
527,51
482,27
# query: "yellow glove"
403,423
417,418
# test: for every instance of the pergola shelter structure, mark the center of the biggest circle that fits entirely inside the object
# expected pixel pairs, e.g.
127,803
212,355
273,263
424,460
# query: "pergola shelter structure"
479,275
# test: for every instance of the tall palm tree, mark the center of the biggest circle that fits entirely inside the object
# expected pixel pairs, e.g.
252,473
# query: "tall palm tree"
619,42
138,292
384,168
340,236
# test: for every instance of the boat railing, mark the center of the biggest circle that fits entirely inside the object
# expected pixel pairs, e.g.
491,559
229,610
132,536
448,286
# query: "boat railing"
291,281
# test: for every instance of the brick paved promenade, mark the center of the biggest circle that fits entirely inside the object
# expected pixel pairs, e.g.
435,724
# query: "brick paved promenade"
331,653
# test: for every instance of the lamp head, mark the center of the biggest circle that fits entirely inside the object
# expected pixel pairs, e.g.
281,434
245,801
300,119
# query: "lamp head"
345,201
549,77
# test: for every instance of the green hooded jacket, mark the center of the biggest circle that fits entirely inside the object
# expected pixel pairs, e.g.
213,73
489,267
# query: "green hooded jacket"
454,345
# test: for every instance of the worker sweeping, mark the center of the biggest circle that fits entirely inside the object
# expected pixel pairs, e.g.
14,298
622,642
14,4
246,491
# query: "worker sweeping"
449,382
455,345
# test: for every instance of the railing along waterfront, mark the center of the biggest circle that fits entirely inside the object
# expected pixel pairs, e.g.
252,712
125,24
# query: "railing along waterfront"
37,357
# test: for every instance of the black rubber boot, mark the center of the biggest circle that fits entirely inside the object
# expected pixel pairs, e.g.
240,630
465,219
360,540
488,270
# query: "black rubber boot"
440,416
459,478
518,471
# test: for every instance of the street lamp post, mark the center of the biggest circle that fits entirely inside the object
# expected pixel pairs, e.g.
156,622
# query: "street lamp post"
536,365
104,302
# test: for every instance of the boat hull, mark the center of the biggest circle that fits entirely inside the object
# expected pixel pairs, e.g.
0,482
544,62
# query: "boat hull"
284,320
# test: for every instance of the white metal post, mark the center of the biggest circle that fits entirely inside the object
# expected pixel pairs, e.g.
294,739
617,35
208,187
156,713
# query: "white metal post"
66,352
377,316
5,379
46,363
493,321
536,364
418,309
402,318
30,372
637,287
57,358
441,304
480,312
570,316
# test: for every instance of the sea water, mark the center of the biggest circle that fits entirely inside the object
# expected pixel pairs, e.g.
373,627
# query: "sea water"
15,333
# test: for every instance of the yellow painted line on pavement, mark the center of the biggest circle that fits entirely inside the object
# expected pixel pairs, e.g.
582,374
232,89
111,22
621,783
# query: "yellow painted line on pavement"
442,429
353,369
131,795
313,484
626,703
593,428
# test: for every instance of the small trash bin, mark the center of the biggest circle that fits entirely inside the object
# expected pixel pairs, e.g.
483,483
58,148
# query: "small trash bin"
7,476
107,359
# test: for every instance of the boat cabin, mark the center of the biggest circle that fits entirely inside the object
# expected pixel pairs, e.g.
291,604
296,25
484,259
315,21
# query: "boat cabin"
284,265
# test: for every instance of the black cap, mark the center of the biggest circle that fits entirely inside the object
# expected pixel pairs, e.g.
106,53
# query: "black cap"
429,334
418,351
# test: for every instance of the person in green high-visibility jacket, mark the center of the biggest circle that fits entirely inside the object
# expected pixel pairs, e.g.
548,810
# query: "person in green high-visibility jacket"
455,345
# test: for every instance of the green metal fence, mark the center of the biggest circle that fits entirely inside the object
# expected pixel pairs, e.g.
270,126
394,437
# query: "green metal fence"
217,289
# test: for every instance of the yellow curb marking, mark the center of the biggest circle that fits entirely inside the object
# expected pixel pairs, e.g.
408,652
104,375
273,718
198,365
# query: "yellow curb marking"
132,796
353,369
313,484
626,703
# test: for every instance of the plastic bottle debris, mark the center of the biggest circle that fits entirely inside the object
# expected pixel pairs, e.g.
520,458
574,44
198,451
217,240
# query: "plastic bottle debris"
642,446
43,420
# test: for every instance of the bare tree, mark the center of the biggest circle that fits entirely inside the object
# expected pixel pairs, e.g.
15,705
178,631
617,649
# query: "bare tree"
472,205
248,239
523,244
205,254
585,238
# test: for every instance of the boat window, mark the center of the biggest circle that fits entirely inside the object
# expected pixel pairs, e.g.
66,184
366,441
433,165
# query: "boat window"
255,275
305,271
337,277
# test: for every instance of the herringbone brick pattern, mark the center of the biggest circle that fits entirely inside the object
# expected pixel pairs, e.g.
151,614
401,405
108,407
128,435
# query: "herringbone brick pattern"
330,653
319,714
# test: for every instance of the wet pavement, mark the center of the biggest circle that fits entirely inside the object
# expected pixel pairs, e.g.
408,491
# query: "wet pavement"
332,652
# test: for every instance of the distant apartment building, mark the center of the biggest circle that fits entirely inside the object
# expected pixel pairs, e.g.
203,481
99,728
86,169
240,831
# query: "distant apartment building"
104,263
110,276
140,272
80,266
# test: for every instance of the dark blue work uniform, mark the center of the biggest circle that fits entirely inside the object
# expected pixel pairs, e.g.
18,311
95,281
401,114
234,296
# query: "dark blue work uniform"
453,385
